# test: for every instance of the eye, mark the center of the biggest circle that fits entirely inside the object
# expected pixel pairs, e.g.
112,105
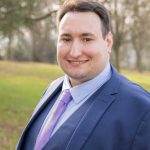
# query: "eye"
87,39
66,39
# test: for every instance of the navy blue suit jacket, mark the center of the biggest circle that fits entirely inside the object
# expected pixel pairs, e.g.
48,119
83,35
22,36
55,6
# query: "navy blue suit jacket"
118,119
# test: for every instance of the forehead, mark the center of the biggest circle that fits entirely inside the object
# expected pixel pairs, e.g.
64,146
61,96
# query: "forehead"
80,22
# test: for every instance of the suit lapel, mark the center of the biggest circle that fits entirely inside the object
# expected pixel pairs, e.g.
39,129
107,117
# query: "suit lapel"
102,100
50,92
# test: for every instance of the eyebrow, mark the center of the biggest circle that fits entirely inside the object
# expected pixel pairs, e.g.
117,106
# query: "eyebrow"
65,34
87,34
83,34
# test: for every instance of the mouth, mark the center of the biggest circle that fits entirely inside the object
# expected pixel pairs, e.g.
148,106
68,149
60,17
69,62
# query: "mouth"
77,62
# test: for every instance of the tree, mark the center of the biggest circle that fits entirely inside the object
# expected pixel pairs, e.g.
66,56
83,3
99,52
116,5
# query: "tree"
119,13
13,15
17,14
140,30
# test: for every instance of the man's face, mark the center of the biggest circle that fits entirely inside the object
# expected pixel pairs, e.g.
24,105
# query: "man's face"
82,52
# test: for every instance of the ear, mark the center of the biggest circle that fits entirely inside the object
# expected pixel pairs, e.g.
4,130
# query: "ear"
109,41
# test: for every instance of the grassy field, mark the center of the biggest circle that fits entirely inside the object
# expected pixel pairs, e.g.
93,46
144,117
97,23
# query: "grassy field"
21,85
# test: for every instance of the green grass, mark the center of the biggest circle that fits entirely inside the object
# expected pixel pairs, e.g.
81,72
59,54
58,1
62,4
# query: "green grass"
21,85
142,79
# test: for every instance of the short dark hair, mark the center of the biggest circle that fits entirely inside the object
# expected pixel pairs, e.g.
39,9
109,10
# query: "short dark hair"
86,6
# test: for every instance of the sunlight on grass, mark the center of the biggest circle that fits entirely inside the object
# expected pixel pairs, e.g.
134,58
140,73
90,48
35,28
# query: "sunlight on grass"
141,78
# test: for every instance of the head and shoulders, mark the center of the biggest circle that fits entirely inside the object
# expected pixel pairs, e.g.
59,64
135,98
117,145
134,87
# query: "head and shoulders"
84,45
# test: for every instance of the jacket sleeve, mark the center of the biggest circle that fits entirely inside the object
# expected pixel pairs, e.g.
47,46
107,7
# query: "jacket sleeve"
142,138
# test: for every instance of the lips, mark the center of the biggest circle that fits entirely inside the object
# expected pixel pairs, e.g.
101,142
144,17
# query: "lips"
77,62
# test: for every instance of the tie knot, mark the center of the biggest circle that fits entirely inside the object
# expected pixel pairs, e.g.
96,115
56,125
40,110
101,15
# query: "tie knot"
66,96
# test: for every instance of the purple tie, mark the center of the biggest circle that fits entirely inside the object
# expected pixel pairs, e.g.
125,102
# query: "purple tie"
48,126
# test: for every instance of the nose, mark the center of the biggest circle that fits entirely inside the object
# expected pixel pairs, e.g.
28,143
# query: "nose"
75,49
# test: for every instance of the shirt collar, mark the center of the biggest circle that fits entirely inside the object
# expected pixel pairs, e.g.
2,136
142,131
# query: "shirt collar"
81,91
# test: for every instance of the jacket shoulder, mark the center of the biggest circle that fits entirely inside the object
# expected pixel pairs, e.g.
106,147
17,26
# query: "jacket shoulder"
134,92
53,85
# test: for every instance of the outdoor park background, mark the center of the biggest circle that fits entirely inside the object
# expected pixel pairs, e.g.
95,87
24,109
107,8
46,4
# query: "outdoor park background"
28,38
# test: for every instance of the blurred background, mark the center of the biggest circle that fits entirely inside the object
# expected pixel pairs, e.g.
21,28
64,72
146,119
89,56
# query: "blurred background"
28,39
28,31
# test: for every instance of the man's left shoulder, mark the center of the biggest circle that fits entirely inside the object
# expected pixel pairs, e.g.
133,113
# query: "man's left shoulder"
135,91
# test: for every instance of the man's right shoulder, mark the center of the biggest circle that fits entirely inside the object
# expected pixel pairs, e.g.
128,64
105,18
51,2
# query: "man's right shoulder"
53,85
57,81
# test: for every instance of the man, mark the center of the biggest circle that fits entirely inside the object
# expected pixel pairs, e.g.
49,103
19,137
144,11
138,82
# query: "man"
105,111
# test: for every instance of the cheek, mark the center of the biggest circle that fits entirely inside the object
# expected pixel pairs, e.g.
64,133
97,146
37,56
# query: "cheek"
93,51
59,54
61,50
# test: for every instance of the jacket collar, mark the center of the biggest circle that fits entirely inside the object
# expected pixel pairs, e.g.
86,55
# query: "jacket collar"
103,98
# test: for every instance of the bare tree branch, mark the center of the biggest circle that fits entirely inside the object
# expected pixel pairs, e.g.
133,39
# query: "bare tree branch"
42,17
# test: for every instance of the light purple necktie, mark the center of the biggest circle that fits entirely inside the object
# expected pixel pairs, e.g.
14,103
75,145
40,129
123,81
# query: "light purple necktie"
48,126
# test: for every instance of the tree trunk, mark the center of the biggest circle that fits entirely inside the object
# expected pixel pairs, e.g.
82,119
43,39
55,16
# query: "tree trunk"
9,51
117,55
139,60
